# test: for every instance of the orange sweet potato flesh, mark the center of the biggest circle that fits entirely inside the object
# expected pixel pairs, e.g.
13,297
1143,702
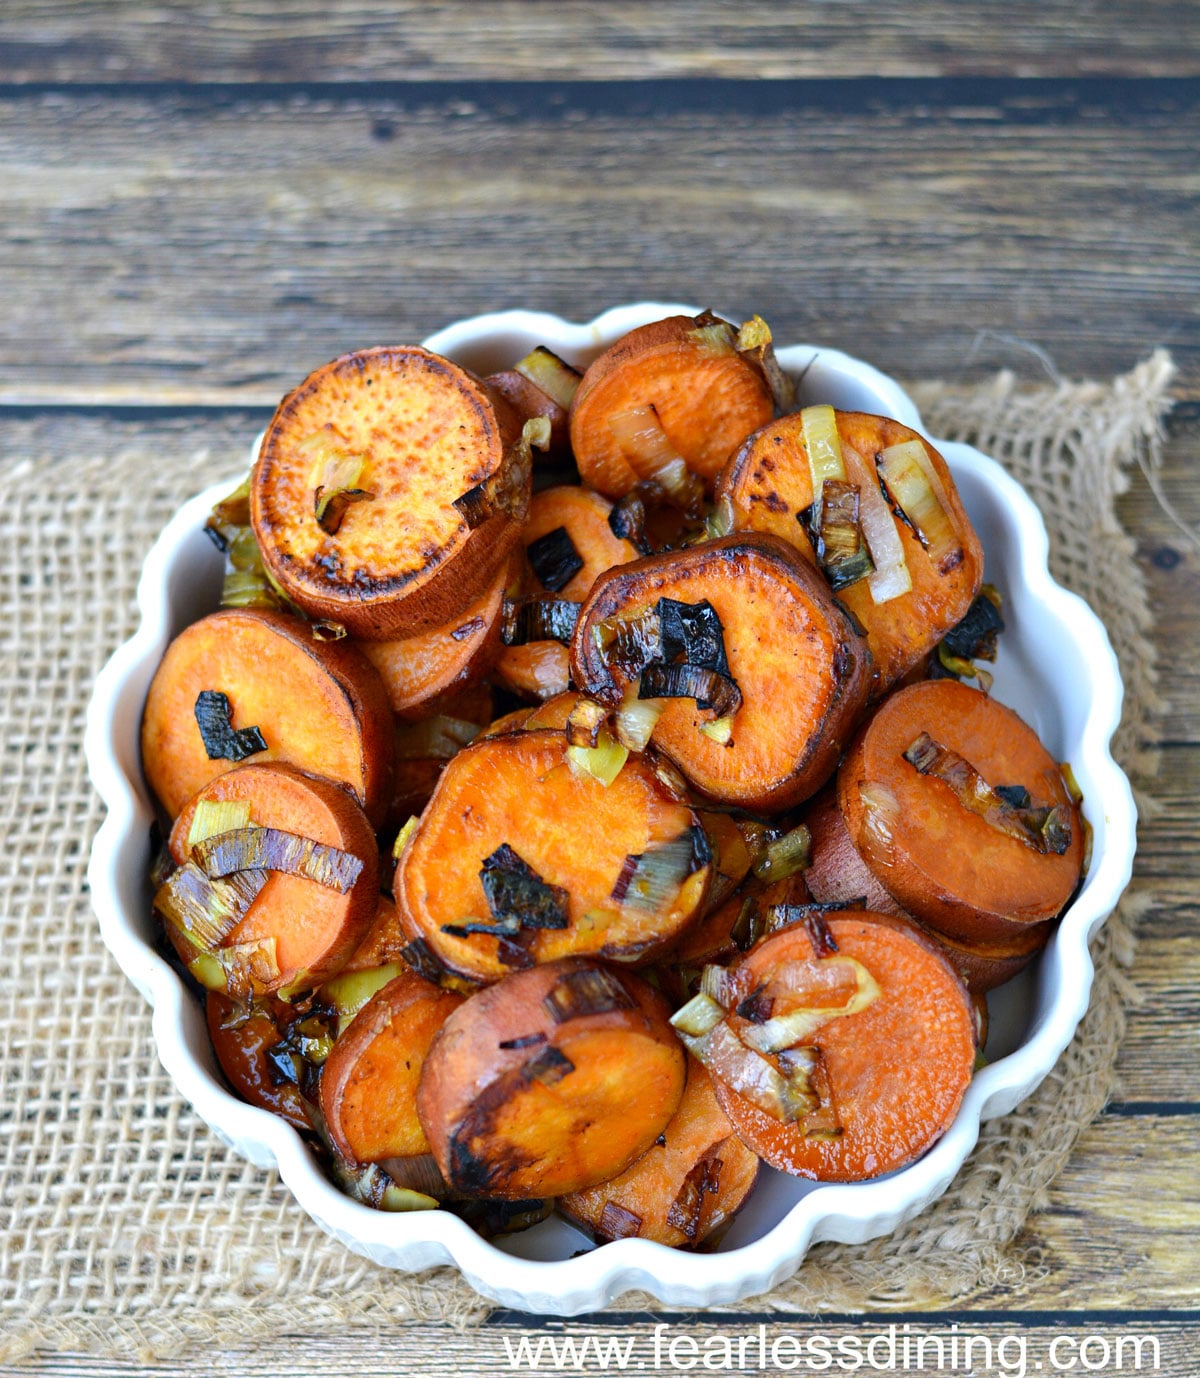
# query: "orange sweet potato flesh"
316,929
769,483
404,560
802,669
370,1078
242,1043
541,668
419,671
688,1184
382,942
517,1103
947,866
574,832
707,401
897,1069
320,706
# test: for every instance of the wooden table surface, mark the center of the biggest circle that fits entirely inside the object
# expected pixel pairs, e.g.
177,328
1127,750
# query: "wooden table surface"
199,203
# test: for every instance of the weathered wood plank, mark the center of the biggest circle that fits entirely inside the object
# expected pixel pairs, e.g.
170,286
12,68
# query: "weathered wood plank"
348,40
189,243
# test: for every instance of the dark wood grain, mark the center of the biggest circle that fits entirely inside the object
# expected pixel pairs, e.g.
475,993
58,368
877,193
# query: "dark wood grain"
209,245
90,40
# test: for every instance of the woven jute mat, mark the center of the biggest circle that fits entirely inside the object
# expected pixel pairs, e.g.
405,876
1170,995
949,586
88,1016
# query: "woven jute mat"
125,1225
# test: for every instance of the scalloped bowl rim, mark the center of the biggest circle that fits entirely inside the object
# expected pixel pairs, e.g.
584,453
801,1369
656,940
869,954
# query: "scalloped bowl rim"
847,1212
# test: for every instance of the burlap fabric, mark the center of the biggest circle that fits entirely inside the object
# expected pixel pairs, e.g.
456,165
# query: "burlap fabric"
125,1226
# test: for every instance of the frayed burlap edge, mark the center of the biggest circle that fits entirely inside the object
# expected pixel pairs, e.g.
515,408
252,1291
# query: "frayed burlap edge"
1073,446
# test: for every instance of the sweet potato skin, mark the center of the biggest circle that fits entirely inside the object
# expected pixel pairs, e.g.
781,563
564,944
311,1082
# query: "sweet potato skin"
947,866
573,832
707,404
497,1130
803,679
769,483
321,706
898,1068
315,928
370,1078
698,1130
405,561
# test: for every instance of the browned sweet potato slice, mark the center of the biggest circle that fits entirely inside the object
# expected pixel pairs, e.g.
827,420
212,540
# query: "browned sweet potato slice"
738,923
318,705
769,482
568,543
369,1082
522,858
555,1079
961,859
243,1044
684,378
889,1076
693,1180
422,748
383,940
422,670
353,496
298,929
799,669
838,873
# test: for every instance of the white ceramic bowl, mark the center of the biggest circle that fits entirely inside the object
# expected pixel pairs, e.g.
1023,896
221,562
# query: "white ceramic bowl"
1055,667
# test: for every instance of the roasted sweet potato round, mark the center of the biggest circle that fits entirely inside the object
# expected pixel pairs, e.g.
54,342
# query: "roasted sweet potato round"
747,610
690,1183
769,482
314,907
683,378
893,1073
918,794
242,677
353,494
419,671
369,1081
555,1079
522,858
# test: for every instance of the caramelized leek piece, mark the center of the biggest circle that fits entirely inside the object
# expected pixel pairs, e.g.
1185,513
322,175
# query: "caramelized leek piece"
516,894
653,458
907,475
205,910
784,856
709,688
824,448
1045,829
787,1030
754,341
433,739
507,489
538,619
698,1016
720,730
650,879
591,991
214,816
270,849
554,559
546,371
584,723
601,762
637,717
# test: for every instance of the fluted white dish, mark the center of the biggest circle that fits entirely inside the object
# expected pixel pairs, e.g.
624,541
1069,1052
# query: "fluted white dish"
1055,667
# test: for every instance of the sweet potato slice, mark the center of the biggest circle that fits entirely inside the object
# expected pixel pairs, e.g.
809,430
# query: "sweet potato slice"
893,1073
521,858
568,543
420,671
981,873
318,705
769,482
353,495
799,669
838,873
298,930
682,376
369,1082
244,1042
688,1184
555,1079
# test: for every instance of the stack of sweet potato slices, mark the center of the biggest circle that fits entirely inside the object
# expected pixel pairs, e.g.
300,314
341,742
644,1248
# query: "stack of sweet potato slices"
601,843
